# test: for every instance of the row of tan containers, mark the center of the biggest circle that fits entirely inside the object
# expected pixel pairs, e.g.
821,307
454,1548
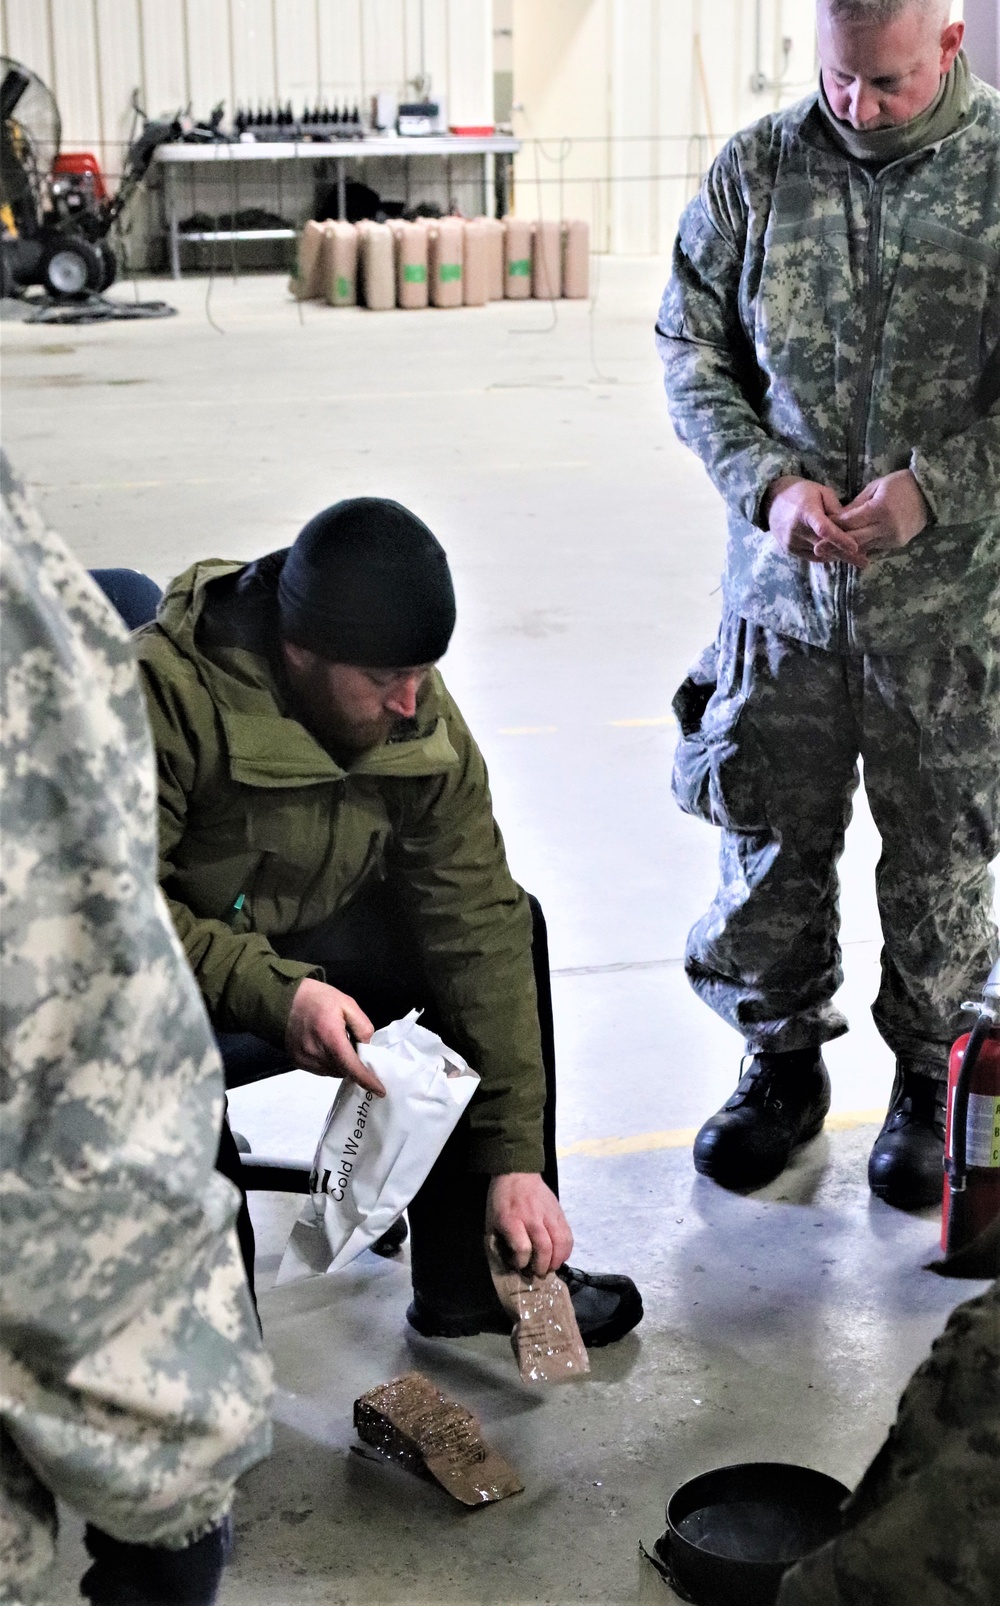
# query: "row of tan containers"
441,262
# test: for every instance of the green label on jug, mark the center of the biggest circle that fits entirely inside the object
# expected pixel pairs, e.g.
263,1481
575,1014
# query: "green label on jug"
450,270
521,269
414,273
343,289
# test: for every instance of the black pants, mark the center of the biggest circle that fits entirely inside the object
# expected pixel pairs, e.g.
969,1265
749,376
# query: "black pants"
151,1575
368,952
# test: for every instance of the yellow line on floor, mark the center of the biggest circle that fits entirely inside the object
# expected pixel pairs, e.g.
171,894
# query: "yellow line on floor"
632,724
679,1137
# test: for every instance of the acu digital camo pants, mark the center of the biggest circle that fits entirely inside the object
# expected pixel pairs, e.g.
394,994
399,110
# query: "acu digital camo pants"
772,730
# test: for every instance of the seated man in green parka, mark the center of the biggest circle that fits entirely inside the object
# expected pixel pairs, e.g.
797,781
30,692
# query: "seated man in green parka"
331,860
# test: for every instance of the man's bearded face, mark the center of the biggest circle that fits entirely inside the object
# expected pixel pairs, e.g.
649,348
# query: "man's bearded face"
347,708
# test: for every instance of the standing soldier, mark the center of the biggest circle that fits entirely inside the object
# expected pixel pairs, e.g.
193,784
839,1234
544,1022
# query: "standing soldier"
831,343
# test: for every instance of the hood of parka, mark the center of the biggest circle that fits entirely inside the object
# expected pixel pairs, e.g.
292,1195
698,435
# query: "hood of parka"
222,617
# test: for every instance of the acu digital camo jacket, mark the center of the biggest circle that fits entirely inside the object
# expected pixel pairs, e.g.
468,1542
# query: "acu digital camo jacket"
837,323
133,1383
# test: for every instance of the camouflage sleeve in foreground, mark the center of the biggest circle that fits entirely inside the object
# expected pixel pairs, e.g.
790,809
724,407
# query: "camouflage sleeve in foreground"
133,1379
922,1525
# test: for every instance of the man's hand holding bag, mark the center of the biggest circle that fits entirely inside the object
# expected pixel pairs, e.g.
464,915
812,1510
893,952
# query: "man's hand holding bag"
375,1153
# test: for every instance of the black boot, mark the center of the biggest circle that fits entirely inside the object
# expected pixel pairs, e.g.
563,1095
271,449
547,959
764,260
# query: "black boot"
781,1101
907,1161
392,1240
606,1305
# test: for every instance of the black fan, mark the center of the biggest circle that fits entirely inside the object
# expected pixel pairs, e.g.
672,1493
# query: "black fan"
55,216
29,143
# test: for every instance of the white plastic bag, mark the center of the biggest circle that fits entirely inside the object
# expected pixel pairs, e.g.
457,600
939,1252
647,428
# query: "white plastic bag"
375,1153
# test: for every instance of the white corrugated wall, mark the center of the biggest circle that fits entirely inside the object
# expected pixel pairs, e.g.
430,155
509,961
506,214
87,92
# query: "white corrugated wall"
95,53
622,103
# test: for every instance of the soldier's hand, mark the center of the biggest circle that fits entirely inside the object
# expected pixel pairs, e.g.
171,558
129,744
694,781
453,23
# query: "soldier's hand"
803,517
526,1215
319,1032
887,514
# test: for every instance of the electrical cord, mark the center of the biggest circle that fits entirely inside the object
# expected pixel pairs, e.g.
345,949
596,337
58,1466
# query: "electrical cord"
214,246
94,308
565,146
559,159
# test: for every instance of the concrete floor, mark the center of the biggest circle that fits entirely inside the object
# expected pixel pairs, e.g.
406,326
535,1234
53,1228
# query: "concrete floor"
586,547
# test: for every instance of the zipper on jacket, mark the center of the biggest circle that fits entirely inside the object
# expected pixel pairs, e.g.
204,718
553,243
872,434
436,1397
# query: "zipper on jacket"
859,419
860,416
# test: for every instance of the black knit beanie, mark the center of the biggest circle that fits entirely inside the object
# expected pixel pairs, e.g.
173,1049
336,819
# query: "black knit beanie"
366,583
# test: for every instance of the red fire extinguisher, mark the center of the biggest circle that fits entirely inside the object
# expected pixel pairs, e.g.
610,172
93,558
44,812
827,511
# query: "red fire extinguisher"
972,1134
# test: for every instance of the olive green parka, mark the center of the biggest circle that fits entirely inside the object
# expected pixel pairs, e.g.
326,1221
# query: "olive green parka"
263,833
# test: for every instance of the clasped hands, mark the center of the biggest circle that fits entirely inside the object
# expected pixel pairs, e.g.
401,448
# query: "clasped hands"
322,1028
808,520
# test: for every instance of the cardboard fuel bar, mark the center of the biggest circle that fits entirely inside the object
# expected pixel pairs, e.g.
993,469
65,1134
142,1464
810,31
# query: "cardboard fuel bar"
546,1340
413,1423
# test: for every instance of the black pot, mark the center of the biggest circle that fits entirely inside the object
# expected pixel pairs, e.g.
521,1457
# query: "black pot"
733,1533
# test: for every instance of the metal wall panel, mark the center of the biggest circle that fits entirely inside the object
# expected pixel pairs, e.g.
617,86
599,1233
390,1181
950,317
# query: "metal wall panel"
253,42
384,45
412,41
625,102
118,63
164,56
197,52
470,64
26,35
74,79
298,61
340,48
435,25
209,62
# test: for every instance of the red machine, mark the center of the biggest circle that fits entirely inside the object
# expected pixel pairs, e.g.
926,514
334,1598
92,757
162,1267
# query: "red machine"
84,167
972,1135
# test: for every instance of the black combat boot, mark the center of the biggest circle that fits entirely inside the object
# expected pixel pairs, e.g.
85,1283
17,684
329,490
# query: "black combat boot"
781,1101
606,1305
392,1240
906,1164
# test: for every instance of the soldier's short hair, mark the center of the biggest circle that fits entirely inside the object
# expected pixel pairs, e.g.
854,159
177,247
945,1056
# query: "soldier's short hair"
879,11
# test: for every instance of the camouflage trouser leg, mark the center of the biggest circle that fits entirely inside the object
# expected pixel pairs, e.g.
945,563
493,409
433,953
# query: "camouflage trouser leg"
27,1528
772,730
932,777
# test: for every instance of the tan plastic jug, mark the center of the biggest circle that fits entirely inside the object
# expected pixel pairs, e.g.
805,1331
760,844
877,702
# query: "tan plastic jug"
307,281
475,265
341,264
493,230
411,263
446,239
576,259
517,258
378,267
546,267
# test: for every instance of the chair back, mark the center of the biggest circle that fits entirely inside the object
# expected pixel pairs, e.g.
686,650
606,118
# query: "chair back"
134,594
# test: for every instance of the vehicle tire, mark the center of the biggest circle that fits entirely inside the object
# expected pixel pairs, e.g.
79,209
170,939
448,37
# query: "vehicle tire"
71,267
110,265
